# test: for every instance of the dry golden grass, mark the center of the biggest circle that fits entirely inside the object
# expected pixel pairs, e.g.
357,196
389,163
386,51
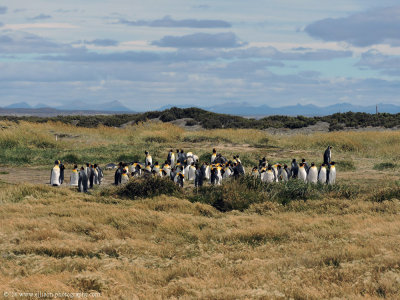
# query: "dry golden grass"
56,240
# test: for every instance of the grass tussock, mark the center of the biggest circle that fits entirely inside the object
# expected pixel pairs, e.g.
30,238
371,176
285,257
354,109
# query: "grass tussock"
144,188
242,193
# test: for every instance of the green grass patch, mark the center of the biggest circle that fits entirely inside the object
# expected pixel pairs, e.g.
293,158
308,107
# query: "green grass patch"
385,166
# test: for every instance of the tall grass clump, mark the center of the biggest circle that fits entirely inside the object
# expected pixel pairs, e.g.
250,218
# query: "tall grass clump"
147,188
241,193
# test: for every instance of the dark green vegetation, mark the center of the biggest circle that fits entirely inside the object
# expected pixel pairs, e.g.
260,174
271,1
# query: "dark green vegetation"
211,120
234,194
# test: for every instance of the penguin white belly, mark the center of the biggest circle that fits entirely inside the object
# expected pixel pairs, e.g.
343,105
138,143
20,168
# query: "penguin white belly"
189,160
227,173
322,176
302,174
312,176
185,171
172,161
74,179
149,160
208,173
332,176
156,170
167,171
124,179
269,177
276,172
131,169
55,176
255,174
213,157
219,177
192,173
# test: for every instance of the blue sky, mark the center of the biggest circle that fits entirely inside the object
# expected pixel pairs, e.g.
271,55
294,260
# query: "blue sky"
147,54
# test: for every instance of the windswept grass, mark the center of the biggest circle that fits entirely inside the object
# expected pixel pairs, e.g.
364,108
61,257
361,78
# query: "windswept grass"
57,240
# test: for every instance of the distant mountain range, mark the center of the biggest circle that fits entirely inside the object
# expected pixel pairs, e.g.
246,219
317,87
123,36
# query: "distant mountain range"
113,106
239,109
245,109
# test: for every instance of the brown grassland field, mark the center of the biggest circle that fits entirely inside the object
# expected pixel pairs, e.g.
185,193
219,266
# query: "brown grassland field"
343,245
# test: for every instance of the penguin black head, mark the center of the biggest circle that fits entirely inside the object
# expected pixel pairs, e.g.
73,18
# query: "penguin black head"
56,162
95,165
294,160
332,163
285,166
214,151
312,164
87,164
279,167
75,166
182,151
269,168
120,164
301,164
82,168
323,165
303,160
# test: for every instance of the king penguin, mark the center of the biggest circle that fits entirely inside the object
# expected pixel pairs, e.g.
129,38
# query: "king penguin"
148,159
332,174
55,174
302,173
312,176
322,174
214,155
74,178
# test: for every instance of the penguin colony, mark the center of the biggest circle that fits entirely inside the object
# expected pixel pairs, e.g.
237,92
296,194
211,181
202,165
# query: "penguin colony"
183,167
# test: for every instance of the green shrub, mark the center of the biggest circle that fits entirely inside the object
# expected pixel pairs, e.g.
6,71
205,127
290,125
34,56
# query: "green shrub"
148,187
155,139
389,193
191,123
247,190
346,165
71,158
384,166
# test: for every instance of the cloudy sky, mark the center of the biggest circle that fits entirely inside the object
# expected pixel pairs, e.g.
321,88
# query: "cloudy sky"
147,54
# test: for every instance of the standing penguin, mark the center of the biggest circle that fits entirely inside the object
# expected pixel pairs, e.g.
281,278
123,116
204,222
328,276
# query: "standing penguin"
312,176
198,181
100,174
254,172
332,174
62,169
167,168
118,174
124,177
74,178
302,173
269,175
172,159
213,155
207,172
82,181
328,155
294,169
192,172
285,173
148,159
55,174
322,174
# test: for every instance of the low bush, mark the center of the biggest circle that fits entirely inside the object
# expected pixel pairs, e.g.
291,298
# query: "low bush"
384,166
388,193
148,187
247,190
346,165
